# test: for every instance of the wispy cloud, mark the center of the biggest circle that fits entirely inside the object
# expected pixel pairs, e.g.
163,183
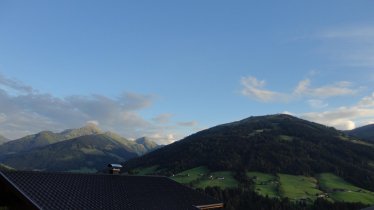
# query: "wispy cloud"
317,104
188,124
351,45
255,89
345,118
355,32
24,110
163,118
14,85
341,88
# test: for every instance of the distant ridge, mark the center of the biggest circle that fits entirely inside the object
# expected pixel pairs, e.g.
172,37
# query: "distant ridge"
85,149
89,129
148,143
44,138
365,132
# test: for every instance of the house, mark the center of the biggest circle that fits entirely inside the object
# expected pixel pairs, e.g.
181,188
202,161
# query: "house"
58,190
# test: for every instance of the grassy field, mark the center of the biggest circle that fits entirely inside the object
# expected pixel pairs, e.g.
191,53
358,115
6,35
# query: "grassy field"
353,197
146,171
265,184
202,177
331,187
298,187
191,175
329,181
222,179
340,190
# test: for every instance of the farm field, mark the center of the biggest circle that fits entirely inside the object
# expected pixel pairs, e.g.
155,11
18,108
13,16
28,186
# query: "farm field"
340,190
298,187
265,184
191,175
326,185
146,171
222,179
202,177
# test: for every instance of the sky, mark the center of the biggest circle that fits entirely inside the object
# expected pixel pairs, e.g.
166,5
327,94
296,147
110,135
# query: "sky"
169,68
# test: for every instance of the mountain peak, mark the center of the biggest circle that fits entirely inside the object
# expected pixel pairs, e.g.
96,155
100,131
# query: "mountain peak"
89,129
147,143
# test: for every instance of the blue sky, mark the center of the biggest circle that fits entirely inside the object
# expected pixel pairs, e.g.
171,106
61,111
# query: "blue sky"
167,69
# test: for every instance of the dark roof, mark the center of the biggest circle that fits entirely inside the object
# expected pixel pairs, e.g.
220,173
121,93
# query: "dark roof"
48,190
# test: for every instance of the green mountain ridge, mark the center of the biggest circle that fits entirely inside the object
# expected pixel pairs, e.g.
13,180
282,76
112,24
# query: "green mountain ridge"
270,144
83,149
44,138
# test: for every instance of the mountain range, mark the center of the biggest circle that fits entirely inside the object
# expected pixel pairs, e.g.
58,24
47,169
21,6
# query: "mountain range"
85,149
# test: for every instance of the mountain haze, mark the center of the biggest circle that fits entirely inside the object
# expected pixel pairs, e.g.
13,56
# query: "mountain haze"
271,144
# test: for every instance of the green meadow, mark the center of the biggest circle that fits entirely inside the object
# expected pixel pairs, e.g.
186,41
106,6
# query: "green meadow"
298,187
265,184
325,185
340,190
191,175
202,177
222,179
146,171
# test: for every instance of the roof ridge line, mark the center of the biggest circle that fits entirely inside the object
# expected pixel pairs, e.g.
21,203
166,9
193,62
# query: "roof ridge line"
19,190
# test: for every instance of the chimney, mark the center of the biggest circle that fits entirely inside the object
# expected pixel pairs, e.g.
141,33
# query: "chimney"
114,168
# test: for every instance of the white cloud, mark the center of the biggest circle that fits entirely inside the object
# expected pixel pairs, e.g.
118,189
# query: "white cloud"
317,104
93,122
28,112
367,101
302,87
254,89
341,88
345,118
163,138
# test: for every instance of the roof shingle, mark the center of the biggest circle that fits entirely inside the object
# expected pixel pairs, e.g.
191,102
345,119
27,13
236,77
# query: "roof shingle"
101,191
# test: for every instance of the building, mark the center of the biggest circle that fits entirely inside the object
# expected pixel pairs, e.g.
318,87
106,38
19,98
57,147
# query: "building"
57,190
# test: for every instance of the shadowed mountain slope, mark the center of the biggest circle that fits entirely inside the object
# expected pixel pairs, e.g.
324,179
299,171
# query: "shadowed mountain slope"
274,144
